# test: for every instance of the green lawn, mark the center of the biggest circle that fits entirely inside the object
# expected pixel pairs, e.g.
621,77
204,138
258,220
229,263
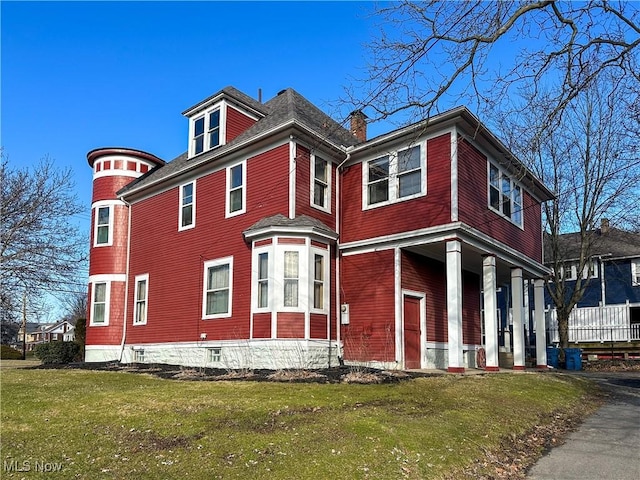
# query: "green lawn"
123,425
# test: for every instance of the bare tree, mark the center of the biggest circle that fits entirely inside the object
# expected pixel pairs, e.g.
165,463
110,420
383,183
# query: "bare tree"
76,305
433,53
41,249
591,162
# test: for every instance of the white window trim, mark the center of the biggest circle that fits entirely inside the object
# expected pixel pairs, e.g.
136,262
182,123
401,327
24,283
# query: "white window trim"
327,199
594,272
181,207
269,250
107,302
222,106
215,263
514,184
140,278
228,213
326,282
393,177
96,209
635,272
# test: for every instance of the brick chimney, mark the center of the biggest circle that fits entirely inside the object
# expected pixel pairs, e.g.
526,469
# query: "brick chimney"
359,125
604,226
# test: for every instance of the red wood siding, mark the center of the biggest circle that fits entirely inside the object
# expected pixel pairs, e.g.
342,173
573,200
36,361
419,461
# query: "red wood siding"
105,188
237,123
471,333
368,288
290,325
262,325
292,241
174,260
474,209
318,326
303,188
423,274
432,209
110,259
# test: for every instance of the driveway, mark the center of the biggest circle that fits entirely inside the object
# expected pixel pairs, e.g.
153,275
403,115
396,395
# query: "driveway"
607,444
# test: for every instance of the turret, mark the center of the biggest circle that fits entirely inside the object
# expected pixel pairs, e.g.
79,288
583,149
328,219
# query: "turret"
113,168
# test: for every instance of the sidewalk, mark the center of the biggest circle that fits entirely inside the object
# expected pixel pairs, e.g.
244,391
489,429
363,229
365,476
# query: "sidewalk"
607,444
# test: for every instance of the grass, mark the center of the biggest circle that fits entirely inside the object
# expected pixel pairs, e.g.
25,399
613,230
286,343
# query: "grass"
125,425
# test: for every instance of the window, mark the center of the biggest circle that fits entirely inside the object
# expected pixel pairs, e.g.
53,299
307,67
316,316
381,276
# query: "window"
505,196
321,195
103,226
263,280
635,273
212,137
409,172
236,192
214,354
141,293
99,307
395,177
590,269
138,356
318,282
378,182
187,206
291,278
218,281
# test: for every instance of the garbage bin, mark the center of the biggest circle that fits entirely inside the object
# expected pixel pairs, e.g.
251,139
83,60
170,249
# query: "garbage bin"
573,357
552,356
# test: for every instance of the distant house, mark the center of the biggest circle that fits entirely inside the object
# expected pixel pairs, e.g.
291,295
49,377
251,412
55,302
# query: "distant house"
610,307
281,239
38,333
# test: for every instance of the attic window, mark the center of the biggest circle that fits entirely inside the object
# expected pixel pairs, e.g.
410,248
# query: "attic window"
205,133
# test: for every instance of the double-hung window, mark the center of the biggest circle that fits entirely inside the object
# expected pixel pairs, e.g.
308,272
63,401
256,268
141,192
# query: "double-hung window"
187,206
321,195
103,226
141,299
236,189
218,287
206,131
291,278
395,177
100,304
318,281
263,280
635,272
505,195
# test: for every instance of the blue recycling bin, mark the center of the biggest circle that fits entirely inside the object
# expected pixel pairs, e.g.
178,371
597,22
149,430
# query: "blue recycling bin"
553,357
573,358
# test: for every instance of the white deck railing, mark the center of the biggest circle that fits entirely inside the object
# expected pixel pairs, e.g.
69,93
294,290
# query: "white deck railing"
610,323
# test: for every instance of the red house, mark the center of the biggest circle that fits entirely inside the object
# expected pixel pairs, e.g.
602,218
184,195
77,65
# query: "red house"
281,239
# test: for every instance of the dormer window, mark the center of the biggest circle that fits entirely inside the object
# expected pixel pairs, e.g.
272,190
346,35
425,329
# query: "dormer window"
206,131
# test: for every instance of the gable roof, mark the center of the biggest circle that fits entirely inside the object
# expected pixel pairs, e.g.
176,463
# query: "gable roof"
287,108
611,243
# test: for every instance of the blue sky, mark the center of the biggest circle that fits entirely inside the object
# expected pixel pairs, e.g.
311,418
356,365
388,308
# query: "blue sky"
82,75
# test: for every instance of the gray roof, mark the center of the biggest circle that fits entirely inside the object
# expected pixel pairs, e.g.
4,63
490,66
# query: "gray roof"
299,222
234,93
285,107
612,243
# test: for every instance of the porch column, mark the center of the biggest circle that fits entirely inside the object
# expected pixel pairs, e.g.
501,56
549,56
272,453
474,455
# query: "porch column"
518,325
490,313
454,306
541,328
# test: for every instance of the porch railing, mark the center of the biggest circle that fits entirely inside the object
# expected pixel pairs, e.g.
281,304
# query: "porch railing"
609,323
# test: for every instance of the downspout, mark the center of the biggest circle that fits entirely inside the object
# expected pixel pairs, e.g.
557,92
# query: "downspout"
126,279
338,309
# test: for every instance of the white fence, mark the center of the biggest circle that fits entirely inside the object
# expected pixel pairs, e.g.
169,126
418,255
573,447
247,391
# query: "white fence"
610,323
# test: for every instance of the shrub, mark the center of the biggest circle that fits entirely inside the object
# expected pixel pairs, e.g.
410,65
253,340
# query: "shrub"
57,352
8,353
